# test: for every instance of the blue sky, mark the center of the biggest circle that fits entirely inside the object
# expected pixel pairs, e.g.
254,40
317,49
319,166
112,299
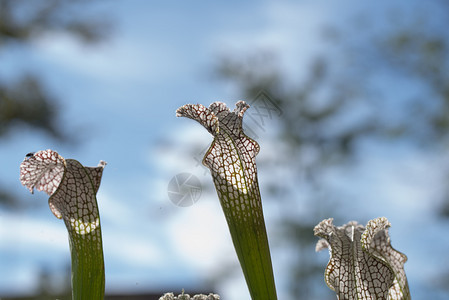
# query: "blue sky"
120,98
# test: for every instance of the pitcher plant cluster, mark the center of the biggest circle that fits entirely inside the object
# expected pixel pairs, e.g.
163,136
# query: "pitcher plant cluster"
362,264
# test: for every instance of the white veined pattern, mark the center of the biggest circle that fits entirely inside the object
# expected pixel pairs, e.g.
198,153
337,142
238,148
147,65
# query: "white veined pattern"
231,159
363,265
42,171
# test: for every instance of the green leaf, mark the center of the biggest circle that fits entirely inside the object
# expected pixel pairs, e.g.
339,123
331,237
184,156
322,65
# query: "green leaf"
232,161
363,265
72,189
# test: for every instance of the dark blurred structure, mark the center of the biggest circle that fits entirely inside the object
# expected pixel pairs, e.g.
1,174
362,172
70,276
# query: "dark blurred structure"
24,99
339,104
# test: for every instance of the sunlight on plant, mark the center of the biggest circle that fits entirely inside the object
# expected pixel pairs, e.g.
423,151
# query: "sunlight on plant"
232,161
72,189
183,296
362,264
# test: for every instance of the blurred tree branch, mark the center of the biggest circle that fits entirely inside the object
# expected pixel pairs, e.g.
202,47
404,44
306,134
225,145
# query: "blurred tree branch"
336,106
26,100
309,109
22,21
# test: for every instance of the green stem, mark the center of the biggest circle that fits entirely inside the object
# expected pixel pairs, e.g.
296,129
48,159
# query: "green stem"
251,245
88,279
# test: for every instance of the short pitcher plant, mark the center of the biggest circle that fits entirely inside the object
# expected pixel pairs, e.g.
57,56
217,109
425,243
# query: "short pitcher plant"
232,161
363,265
72,188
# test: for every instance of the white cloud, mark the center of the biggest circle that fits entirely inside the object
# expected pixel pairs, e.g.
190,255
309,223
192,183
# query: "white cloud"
290,29
117,59
403,183
131,250
179,154
200,236
26,245
29,233
112,60
124,225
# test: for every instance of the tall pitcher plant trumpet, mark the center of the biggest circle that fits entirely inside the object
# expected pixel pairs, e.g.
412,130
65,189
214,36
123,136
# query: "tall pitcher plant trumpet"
232,161
72,188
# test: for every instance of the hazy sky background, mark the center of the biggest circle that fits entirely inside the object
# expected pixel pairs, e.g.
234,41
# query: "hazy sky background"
119,99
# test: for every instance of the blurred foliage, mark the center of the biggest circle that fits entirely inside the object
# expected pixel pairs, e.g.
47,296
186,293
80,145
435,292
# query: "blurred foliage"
335,106
27,103
25,100
304,129
418,50
22,21
307,109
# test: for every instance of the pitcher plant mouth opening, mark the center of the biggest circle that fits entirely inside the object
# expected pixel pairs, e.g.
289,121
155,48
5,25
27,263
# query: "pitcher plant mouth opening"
363,264
72,188
231,159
